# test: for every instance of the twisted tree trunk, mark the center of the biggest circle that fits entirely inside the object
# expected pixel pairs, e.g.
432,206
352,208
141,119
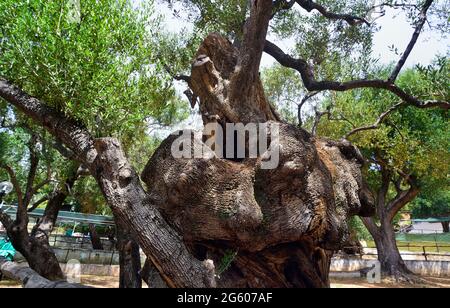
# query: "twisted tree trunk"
227,222
391,261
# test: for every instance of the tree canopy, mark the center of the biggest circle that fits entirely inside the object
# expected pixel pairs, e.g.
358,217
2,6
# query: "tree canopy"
101,67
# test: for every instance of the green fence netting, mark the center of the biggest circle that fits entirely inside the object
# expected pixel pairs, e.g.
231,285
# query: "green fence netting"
7,250
436,238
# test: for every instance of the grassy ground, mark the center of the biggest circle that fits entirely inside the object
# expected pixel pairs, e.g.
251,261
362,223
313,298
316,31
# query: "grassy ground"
414,246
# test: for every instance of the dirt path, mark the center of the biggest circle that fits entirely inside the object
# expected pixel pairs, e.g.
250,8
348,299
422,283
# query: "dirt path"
352,283
360,283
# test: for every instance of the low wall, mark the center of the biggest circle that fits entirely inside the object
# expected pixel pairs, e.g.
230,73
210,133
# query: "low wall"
84,256
97,270
423,268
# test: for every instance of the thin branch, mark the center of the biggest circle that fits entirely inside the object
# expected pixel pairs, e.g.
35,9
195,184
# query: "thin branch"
40,185
412,43
34,163
305,99
352,20
319,116
282,5
377,123
37,203
251,49
15,182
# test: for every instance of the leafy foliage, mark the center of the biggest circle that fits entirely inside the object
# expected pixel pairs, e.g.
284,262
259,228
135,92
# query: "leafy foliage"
411,140
432,204
101,69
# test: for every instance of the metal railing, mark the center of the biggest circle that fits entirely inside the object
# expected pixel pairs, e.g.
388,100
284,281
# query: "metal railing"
441,252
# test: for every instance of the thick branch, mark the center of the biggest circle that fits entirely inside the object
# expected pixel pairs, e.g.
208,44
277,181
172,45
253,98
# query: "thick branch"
352,20
250,52
371,226
6,221
34,163
412,43
71,133
312,84
402,198
377,123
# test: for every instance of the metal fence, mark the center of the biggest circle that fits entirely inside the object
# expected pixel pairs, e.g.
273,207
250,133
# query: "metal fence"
428,252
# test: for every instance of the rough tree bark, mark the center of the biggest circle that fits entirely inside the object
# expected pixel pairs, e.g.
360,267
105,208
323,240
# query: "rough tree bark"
151,276
95,239
217,222
129,259
383,234
281,225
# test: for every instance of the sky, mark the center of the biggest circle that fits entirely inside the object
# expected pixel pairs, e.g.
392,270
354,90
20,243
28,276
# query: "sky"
394,30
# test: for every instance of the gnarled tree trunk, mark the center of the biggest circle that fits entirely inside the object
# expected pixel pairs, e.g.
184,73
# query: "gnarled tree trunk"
227,222
389,256
446,226
262,228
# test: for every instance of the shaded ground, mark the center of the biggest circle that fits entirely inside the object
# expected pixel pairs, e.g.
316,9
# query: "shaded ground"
336,283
